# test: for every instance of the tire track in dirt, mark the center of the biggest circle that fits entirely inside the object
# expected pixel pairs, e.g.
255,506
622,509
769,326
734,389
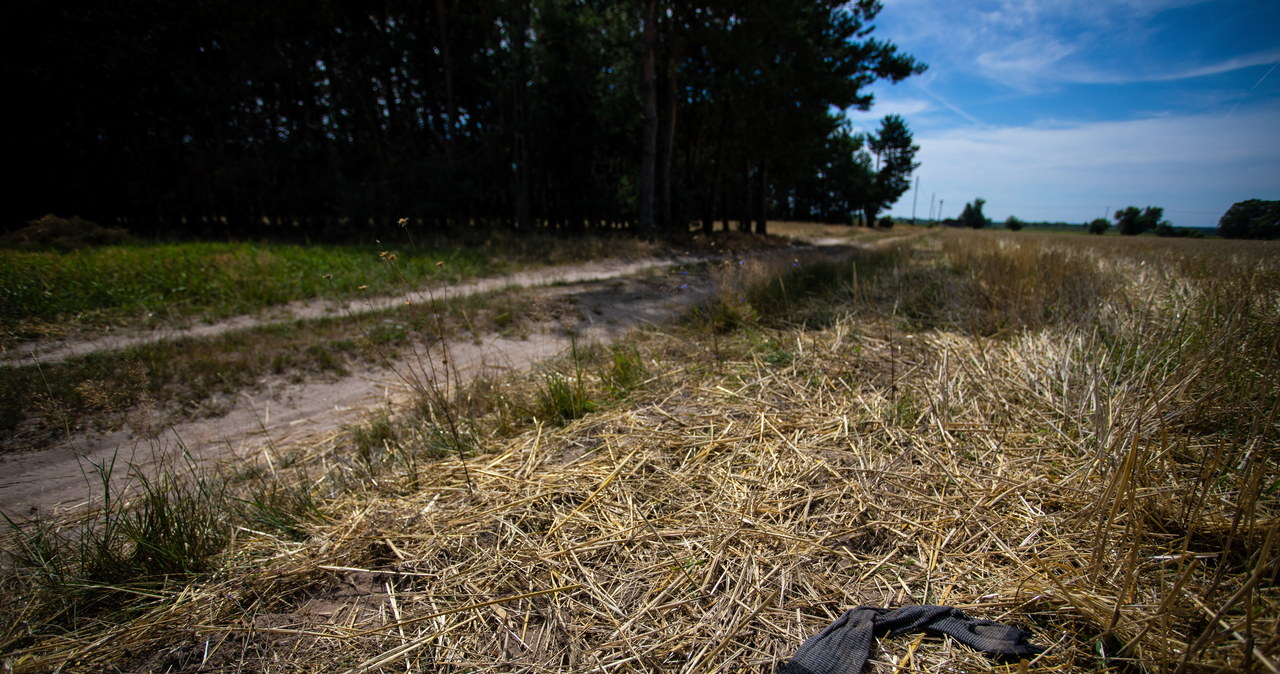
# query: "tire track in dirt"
612,299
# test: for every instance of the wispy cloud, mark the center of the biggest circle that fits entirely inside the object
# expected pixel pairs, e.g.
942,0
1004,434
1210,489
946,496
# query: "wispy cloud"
890,100
1032,46
1179,72
1027,64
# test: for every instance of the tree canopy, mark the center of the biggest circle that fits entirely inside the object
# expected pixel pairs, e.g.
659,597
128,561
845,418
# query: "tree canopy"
1132,221
236,118
1252,219
972,215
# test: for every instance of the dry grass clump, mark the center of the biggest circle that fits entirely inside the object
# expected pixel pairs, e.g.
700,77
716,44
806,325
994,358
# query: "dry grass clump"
58,233
1103,476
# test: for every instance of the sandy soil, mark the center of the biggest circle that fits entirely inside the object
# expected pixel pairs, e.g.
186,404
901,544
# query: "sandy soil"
612,298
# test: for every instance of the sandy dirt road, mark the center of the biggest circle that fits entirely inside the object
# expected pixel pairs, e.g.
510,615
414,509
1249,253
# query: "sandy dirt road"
611,299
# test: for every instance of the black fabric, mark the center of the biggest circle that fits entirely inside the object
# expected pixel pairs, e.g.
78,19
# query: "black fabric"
845,645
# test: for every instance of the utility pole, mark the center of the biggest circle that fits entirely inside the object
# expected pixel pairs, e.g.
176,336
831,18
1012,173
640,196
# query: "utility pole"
914,198
940,203
933,196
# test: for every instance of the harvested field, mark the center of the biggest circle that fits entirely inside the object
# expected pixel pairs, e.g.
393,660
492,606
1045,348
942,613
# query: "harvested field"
1072,436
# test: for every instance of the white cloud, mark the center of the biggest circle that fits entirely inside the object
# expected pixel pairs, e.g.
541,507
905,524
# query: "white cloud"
890,99
1193,166
899,106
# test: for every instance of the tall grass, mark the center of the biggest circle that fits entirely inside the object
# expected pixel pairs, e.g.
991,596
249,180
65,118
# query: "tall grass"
1151,367
1157,366
166,525
138,542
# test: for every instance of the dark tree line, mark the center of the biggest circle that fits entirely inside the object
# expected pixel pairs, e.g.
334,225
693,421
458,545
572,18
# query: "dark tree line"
220,117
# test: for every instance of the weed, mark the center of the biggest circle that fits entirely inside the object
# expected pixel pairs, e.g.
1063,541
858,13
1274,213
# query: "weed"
164,526
373,438
626,369
279,509
563,399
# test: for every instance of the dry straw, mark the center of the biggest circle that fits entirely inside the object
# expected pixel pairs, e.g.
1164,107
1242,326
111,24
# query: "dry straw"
752,493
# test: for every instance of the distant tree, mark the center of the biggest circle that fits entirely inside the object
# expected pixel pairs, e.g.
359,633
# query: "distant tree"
1099,226
1132,221
972,216
1013,224
1252,219
1166,229
894,163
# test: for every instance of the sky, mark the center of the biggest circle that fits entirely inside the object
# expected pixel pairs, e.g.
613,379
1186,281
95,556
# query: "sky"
1067,110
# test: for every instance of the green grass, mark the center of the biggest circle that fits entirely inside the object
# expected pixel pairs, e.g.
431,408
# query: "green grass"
148,284
165,528
51,293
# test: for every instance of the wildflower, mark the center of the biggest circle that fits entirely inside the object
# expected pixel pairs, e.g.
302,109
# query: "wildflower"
363,287
328,277
403,222
439,263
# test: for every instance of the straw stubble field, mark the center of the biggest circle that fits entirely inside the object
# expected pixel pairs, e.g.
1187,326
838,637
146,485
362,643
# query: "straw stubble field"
1074,436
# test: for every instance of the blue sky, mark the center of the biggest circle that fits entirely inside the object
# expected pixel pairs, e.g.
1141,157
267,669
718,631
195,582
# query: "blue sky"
1057,110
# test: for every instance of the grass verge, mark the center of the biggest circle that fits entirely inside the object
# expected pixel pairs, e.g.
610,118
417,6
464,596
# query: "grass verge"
57,293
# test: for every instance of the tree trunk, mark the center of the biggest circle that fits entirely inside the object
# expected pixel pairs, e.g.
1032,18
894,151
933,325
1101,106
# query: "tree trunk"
669,144
649,143
520,122
709,219
762,198
451,110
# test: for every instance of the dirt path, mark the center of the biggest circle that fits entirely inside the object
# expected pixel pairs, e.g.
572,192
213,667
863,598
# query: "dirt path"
611,298
53,351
